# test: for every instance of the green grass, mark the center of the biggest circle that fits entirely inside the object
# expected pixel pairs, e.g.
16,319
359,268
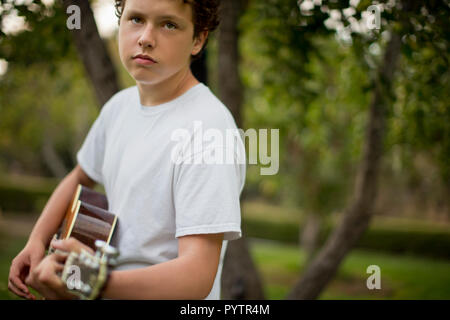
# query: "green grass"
402,277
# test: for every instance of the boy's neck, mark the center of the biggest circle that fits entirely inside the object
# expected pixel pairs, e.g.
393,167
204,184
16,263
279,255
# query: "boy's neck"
171,88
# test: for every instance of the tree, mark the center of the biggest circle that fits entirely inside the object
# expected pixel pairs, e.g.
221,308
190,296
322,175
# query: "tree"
357,216
93,53
240,278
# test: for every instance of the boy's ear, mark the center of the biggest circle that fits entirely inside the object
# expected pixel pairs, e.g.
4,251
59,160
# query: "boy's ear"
199,41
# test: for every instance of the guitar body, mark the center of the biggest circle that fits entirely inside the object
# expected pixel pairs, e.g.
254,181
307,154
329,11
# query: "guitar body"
87,218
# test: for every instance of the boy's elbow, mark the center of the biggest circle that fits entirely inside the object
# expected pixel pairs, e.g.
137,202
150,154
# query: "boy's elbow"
207,284
204,291
199,284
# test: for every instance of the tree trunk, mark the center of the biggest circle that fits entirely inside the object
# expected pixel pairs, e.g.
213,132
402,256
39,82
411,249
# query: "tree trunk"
357,216
93,53
240,278
230,86
309,236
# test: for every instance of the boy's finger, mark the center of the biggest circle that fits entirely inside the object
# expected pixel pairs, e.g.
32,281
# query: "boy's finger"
18,283
60,257
70,244
14,289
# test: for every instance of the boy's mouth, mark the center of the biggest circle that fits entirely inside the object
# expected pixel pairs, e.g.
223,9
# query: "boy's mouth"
144,59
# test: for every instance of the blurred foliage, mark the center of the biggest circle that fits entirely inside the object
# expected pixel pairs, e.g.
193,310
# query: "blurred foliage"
302,81
46,103
45,39
309,69
36,105
24,198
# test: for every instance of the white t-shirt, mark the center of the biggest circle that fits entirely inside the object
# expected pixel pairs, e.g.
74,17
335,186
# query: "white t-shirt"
153,179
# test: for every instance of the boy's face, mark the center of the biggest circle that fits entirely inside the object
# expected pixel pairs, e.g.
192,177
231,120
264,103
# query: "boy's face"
162,30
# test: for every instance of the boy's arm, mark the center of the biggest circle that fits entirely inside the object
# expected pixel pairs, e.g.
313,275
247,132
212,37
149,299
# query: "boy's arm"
55,209
45,227
189,276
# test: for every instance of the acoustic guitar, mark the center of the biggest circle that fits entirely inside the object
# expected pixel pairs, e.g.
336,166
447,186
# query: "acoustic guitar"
88,220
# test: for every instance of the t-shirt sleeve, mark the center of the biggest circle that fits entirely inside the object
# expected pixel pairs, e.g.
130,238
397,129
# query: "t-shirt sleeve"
207,196
90,156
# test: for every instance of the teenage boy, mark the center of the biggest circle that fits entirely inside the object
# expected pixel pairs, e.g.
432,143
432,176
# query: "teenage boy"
176,211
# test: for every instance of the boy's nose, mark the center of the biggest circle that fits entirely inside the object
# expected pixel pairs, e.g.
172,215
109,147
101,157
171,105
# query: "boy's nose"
147,38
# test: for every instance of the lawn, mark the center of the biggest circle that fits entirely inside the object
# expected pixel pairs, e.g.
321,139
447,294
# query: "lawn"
402,277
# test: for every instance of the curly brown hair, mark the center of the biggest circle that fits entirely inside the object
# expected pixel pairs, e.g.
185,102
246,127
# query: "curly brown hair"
205,17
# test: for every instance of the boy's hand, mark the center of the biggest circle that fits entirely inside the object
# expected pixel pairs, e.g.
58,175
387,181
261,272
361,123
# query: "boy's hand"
20,268
70,245
45,278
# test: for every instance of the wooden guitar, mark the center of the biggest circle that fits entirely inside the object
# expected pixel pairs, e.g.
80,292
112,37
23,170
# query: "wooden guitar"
88,220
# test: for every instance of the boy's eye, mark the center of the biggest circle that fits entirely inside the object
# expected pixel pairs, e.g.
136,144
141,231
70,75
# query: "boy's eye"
170,26
135,19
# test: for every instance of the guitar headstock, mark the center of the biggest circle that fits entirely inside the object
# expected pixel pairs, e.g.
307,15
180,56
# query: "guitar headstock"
85,274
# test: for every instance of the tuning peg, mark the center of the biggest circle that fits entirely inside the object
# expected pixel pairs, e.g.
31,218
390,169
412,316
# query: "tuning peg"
99,244
106,249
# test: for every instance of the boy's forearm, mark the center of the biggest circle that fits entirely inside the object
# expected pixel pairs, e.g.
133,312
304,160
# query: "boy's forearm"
183,278
55,209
